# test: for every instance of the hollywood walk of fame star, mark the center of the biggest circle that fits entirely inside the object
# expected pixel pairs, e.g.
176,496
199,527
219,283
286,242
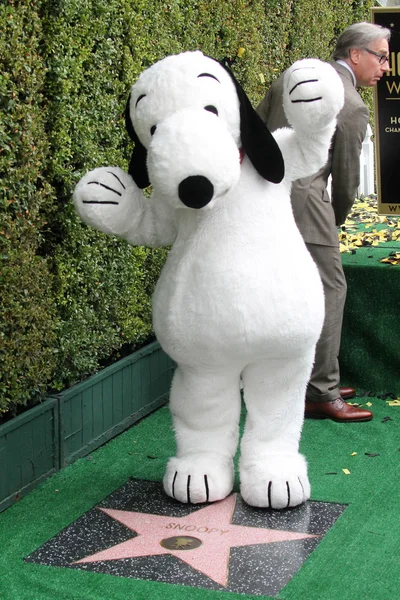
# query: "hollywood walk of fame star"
211,526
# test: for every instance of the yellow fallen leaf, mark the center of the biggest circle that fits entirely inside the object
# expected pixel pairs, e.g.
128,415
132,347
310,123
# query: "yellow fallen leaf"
240,52
375,229
346,471
368,404
393,402
262,78
393,259
353,454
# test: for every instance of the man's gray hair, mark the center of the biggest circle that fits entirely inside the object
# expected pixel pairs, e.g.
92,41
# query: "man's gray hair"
358,35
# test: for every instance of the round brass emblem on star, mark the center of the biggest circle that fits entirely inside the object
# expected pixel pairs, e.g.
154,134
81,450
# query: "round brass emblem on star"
182,542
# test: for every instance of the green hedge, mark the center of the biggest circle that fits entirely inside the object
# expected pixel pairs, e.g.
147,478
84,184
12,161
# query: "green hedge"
28,343
72,297
102,286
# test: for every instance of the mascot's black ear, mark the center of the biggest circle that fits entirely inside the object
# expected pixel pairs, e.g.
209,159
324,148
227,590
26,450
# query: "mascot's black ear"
137,166
258,142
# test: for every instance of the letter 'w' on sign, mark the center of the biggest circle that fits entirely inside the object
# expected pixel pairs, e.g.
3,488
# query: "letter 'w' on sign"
393,87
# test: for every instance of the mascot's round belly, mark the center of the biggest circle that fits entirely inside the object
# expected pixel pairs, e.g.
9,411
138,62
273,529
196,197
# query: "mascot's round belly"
220,314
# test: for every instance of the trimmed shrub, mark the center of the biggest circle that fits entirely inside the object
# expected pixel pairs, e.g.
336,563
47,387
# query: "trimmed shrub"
28,349
102,286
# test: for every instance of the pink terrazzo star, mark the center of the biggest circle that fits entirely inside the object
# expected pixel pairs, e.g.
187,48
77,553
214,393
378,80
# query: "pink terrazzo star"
212,525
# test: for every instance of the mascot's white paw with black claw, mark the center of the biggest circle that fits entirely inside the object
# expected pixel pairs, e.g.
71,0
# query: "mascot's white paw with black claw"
313,93
104,199
198,479
280,482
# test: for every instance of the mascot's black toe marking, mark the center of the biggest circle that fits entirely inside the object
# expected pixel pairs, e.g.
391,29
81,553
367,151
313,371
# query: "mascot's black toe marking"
105,186
207,488
173,484
269,493
188,489
99,202
117,178
301,486
288,494
307,100
301,83
196,191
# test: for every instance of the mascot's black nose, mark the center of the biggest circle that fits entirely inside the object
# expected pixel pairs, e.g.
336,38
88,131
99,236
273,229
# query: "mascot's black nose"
196,191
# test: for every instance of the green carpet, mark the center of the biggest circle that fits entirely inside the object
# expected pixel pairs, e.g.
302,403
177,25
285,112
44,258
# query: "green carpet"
357,560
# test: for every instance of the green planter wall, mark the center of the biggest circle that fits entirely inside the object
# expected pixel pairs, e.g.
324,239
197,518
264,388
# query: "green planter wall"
65,427
105,404
29,451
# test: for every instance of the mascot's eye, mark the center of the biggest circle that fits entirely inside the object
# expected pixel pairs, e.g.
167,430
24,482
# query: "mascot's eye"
153,129
212,109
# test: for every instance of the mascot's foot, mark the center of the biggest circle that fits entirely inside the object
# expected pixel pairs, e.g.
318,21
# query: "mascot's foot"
278,482
198,478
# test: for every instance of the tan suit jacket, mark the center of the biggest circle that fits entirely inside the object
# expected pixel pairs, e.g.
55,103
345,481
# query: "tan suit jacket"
316,215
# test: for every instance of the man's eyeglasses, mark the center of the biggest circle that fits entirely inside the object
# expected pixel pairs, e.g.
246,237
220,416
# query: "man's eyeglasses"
382,57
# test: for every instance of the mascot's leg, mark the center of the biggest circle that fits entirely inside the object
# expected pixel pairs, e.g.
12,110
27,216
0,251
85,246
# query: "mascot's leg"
272,472
205,407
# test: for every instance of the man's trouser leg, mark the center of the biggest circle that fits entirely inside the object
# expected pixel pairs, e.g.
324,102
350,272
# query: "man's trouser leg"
325,376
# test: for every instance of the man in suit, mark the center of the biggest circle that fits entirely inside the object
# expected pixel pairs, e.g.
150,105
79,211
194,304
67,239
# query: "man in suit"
361,59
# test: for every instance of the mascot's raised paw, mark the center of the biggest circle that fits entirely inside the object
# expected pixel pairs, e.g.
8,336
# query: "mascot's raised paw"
279,482
104,199
194,480
313,95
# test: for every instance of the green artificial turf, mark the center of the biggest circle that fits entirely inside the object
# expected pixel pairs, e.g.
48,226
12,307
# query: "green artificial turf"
357,560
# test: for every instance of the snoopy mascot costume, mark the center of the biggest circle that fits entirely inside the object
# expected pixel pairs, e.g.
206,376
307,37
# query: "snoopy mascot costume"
239,296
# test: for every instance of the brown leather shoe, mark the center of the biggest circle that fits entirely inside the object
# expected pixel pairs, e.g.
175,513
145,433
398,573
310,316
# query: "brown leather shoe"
337,410
347,392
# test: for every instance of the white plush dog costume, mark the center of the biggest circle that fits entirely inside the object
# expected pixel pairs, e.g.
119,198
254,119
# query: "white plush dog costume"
239,295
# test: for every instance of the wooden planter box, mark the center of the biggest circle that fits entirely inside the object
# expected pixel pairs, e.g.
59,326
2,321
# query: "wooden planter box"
29,451
97,409
73,423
